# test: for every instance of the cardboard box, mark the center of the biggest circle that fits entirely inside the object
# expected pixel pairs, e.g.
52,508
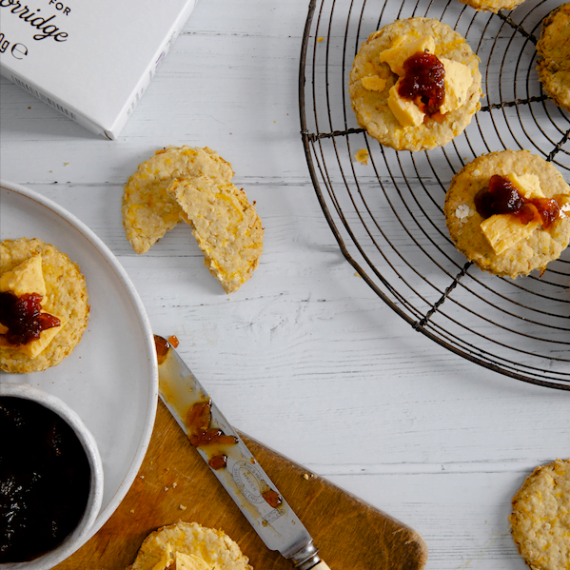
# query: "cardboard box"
90,60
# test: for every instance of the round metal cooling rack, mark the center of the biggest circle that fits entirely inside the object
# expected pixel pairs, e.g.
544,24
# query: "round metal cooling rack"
387,214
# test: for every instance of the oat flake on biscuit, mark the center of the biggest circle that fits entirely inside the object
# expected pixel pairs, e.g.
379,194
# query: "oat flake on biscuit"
213,546
226,226
540,519
148,211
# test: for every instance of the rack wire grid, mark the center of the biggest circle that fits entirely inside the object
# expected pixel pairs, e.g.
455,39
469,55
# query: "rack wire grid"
387,215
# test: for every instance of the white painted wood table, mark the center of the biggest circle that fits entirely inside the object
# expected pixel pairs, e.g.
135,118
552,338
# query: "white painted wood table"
305,357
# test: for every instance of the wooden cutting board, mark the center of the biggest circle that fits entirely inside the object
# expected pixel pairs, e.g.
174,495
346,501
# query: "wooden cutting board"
175,484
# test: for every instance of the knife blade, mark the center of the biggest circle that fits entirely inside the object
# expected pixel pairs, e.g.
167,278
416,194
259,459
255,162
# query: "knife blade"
231,462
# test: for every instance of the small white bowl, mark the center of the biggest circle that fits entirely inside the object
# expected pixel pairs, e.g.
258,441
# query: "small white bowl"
76,538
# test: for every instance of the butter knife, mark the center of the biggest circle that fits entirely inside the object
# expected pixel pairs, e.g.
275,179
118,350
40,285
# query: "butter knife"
231,461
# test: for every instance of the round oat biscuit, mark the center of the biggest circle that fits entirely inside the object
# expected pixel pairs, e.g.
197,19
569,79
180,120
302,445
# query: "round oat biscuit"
371,106
66,296
226,226
214,547
553,51
463,220
492,5
148,211
540,520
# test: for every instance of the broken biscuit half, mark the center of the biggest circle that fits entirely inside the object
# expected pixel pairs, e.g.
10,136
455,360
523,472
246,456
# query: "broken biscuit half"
148,210
224,223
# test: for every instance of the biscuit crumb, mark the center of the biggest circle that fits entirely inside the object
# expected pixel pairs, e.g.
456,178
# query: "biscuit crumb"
174,485
362,156
320,39
166,488
182,507
306,476
142,476
132,511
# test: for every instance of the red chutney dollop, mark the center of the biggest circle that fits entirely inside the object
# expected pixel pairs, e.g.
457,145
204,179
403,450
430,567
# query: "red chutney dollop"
423,82
23,317
502,197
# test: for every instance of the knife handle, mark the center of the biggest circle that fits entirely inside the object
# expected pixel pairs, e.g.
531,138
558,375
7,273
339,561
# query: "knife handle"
321,566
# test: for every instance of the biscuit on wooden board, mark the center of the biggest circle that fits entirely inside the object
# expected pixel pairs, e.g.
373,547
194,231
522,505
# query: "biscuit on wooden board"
553,50
226,226
540,519
215,548
148,210
464,222
371,80
66,296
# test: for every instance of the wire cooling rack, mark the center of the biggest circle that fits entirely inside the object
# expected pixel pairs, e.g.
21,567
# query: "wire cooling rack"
387,215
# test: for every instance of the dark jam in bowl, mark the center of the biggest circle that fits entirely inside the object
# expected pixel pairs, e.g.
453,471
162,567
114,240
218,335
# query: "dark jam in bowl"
44,480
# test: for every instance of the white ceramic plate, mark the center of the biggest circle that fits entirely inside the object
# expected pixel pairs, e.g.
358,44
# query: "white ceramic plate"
111,378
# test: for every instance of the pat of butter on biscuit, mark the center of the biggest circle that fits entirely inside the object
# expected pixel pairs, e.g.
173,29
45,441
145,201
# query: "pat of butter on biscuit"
528,185
406,112
24,279
505,230
458,80
396,56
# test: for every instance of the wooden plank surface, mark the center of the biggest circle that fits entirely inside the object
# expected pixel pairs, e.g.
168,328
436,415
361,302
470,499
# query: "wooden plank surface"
175,484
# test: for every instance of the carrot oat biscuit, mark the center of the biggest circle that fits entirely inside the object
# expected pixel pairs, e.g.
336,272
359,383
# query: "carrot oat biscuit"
399,116
148,211
492,5
30,266
189,546
508,212
226,226
540,520
553,51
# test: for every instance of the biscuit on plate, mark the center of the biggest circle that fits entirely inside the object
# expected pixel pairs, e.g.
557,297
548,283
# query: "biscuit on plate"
148,211
540,520
553,51
492,5
506,243
32,266
192,546
376,81
226,226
